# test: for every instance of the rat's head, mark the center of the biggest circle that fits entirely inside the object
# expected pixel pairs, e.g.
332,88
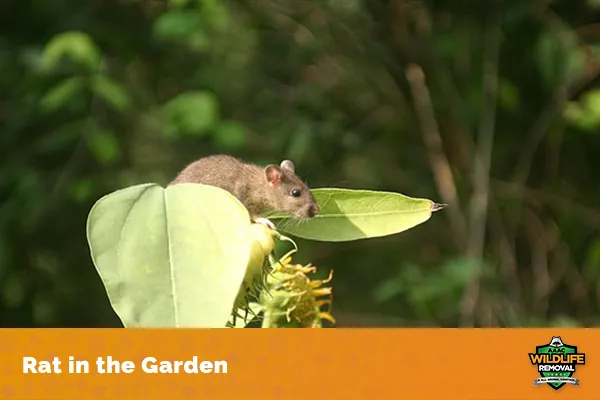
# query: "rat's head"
288,193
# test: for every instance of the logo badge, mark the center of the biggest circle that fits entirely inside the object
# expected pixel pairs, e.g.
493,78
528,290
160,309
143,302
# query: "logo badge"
556,363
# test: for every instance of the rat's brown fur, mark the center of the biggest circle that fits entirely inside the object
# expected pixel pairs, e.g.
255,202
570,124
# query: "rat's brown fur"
251,185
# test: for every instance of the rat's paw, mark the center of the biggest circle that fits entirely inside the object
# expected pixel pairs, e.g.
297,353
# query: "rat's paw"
265,222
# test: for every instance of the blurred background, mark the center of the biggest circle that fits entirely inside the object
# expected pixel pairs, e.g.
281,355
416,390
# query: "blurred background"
491,107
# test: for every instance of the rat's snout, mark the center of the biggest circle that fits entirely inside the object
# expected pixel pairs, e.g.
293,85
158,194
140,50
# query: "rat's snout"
308,211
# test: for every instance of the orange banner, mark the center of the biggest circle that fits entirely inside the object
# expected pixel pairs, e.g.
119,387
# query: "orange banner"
300,364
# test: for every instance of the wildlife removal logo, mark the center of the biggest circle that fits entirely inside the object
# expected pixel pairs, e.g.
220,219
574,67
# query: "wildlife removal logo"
556,363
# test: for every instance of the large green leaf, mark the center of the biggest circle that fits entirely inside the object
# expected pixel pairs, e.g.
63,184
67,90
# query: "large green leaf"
170,257
359,214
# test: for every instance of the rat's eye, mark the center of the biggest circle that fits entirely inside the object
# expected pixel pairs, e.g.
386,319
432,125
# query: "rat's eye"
295,192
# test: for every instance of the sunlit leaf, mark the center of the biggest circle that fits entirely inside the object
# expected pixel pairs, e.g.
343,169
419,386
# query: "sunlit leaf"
591,103
359,214
585,114
170,257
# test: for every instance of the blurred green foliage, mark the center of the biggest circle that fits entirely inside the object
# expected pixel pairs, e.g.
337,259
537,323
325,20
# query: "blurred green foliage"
99,95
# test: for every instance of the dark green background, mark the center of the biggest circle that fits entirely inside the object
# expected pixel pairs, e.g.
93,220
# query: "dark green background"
98,95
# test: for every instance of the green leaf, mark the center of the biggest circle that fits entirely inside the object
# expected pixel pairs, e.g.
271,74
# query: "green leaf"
61,94
591,101
585,114
172,257
75,45
176,24
111,91
104,146
358,214
191,113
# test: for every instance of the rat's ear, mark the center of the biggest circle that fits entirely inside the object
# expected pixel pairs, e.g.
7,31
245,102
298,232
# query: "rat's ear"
287,164
273,174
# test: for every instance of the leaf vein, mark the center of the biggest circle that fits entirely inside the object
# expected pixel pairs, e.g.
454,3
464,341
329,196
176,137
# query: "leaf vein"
171,266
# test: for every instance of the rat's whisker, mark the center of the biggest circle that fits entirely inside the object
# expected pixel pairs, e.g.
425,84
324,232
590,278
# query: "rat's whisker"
287,222
300,220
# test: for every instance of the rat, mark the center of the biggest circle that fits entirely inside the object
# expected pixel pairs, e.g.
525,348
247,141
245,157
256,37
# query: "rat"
262,190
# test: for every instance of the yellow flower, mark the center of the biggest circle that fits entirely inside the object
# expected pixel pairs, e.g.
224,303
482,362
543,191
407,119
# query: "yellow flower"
292,299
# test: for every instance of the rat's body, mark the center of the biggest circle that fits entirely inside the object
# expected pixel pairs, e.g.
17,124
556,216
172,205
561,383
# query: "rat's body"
262,190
